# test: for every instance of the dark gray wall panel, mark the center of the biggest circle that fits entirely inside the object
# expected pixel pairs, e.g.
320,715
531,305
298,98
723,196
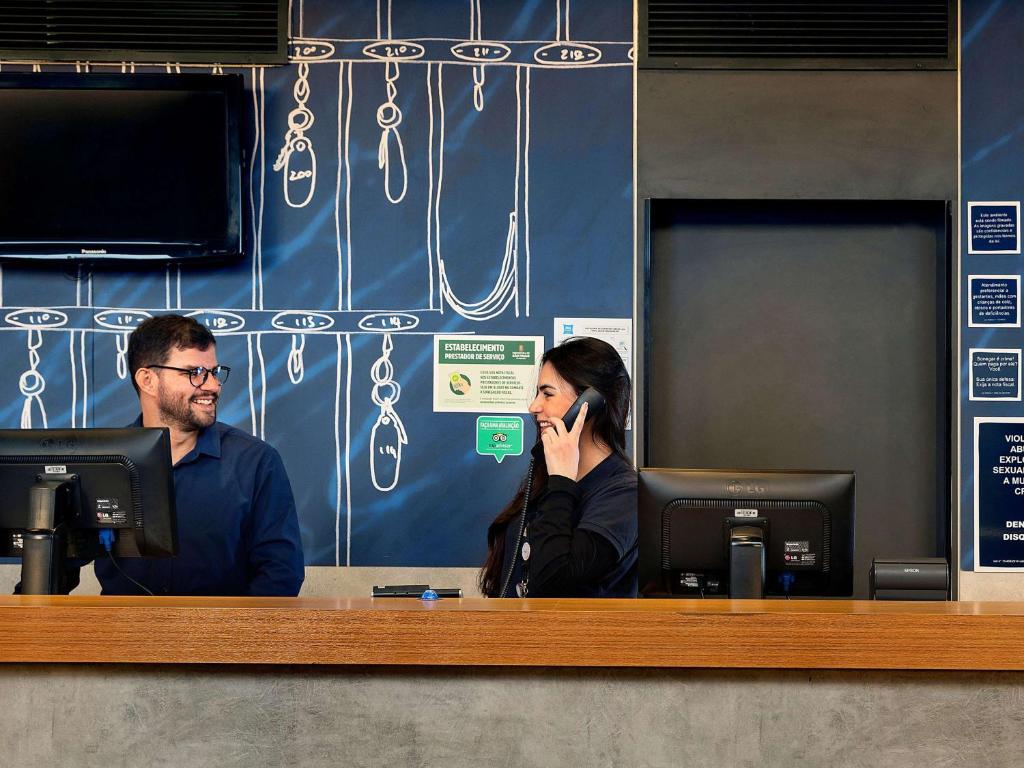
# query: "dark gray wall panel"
807,336
795,135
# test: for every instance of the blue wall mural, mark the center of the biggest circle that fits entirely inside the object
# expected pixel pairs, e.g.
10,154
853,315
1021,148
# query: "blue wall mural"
992,185
420,166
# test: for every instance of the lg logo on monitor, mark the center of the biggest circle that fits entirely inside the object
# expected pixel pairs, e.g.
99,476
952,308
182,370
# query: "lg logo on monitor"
735,487
58,445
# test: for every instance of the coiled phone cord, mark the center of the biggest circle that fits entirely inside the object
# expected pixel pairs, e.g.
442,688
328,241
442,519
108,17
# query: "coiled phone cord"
522,528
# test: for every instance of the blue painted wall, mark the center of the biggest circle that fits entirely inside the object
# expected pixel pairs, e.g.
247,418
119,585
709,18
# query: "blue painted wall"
992,166
525,150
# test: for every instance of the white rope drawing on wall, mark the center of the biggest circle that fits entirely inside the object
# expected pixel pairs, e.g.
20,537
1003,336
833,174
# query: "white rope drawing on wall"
389,117
251,389
505,290
79,279
257,138
122,322
346,353
32,384
389,114
297,158
296,364
478,71
526,184
388,434
74,379
262,433
84,361
344,261
256,206
430,181
121,342
172,286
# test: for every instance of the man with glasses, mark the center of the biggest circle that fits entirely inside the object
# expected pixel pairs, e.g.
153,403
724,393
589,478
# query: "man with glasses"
237,527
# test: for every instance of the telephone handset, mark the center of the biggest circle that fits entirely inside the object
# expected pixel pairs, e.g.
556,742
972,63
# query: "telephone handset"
590,396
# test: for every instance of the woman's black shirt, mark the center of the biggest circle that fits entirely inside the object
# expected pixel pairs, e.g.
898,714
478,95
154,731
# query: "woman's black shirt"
581,537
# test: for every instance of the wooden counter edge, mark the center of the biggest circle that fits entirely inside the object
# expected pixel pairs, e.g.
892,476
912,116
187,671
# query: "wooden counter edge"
725,634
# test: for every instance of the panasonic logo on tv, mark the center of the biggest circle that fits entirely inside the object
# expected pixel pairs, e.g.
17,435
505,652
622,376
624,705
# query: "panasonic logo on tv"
99,251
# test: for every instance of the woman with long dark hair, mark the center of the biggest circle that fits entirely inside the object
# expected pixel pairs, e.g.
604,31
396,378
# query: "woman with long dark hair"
570,530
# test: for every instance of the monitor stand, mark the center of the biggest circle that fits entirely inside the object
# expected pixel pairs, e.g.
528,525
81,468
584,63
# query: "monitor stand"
44,560
746,562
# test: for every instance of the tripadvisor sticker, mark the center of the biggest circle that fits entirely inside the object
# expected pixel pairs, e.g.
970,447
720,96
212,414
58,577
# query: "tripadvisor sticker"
499,436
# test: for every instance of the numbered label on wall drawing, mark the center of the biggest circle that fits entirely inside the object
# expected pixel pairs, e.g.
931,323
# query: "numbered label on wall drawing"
299,173
567,54
219,321
302,321
311,50
385,322
36,318
121,319
394,50
386,440
481,51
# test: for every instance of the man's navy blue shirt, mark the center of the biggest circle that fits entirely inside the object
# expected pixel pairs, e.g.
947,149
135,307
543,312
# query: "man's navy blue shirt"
238,533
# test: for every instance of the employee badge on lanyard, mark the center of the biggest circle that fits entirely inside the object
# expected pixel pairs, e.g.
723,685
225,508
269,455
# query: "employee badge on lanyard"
522,588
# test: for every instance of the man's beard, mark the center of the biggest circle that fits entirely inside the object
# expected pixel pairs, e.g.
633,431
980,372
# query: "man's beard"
178,411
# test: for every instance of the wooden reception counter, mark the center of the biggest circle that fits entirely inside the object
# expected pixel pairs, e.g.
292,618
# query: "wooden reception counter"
475,632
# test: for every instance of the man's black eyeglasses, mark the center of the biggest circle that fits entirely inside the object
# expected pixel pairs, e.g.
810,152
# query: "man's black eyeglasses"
197,376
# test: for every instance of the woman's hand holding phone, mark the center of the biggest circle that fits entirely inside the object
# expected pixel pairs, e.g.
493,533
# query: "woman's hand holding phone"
562,446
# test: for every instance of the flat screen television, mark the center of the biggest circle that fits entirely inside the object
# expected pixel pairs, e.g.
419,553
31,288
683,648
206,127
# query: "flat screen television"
104,167
82,493
729,533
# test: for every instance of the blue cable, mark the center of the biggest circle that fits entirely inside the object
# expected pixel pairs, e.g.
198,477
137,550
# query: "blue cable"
107,538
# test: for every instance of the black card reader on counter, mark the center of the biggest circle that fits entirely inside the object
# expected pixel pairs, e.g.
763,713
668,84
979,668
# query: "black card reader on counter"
413,590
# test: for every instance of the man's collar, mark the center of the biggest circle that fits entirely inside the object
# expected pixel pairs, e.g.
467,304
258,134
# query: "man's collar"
208,441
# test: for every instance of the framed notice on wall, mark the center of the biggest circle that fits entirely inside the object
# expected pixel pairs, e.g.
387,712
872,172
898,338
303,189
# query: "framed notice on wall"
994,227
999,493
994,301
995,374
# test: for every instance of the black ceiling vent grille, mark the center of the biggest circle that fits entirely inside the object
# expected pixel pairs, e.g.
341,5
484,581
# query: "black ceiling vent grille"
197,31
812,34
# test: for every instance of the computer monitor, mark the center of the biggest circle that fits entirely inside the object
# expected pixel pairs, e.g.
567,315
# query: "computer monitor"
725,533
79,493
